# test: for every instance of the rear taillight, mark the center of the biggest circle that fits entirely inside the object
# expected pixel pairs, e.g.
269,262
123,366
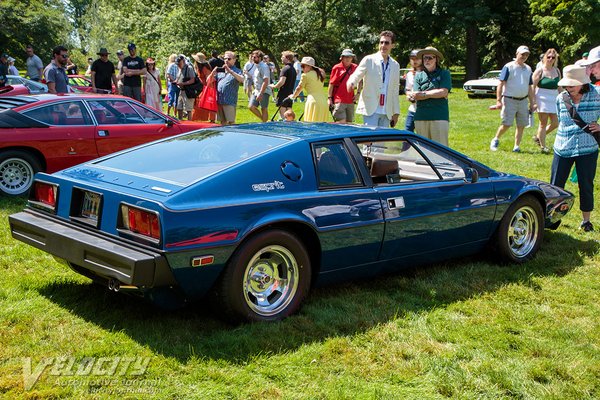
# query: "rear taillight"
44,194
140,221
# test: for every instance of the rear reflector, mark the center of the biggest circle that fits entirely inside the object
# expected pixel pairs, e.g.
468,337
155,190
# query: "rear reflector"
44,195
140,221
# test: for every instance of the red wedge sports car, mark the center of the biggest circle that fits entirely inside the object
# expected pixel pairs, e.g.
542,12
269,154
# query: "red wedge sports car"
52,132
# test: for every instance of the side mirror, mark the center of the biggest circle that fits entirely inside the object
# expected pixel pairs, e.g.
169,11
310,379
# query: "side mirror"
169,123
471,175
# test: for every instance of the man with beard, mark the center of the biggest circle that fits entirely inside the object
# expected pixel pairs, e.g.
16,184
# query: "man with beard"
56,75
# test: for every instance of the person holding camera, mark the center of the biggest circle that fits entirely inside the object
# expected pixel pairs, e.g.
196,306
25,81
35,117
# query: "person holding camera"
577,137
341,100
228,78
379,102
285,84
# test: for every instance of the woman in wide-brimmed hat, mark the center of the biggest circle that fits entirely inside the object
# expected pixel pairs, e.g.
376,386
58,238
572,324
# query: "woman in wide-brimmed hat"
578,114
203,70
315,108
152,85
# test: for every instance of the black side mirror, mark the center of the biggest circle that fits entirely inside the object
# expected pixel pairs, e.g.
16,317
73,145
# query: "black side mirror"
471,175
169,123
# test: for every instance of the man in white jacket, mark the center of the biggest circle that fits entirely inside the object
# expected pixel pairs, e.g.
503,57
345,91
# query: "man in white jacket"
379,102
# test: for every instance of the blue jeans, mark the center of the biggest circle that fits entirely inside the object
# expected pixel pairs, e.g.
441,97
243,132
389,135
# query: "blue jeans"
586,172
173,94
409,125
376,120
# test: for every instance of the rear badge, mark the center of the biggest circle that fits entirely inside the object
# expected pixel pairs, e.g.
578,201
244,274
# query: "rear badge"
202,261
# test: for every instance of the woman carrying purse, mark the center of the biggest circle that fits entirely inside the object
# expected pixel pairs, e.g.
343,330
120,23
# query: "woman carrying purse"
576,138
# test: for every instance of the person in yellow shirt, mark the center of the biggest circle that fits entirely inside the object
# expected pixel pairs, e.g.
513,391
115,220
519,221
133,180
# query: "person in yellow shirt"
315,108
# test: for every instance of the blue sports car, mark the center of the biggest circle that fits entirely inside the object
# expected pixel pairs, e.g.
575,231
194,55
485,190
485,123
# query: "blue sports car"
256,214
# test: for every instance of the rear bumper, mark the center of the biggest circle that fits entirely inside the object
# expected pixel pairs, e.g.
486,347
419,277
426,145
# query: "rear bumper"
104,256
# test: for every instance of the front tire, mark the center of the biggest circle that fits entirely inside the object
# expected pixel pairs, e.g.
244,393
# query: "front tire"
17,169
266,279
521,231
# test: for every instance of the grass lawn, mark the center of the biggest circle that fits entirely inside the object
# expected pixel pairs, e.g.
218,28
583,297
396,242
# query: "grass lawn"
465,329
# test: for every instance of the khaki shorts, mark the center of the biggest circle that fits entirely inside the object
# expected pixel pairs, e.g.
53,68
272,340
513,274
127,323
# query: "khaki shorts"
343,111
226,113
434,130
183,103
512,109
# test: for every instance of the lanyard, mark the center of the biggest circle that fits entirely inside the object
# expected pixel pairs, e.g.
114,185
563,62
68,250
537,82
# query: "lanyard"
385,69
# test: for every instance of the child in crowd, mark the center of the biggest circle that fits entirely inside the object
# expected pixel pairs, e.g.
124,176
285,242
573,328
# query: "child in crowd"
289,115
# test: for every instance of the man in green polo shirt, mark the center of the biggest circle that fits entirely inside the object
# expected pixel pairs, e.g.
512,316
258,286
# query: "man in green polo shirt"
430,91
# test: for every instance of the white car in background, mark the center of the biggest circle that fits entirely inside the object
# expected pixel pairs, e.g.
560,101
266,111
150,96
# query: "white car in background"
484,86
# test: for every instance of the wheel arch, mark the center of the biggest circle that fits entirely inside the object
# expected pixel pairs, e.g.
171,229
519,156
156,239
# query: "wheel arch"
31,150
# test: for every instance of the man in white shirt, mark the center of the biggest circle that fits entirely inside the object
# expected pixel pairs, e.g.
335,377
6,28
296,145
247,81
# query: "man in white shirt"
379,102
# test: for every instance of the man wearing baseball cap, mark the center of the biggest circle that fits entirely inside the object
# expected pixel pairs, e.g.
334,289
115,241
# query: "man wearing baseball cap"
3,69
341,100
593,63
513,94
133,70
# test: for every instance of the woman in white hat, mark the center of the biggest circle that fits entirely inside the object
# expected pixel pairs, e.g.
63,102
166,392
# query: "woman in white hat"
578,114
315,108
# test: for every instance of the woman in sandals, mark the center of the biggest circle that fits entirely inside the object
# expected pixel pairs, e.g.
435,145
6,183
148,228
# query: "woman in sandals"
545,81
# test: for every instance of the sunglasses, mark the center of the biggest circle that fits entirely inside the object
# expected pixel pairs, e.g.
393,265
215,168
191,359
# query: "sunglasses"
227,58
64,55
429,58
384,42
550,57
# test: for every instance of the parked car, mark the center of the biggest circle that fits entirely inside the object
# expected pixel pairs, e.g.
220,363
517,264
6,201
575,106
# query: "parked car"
257,214
51,132
484,86
33,87
80,83
403,72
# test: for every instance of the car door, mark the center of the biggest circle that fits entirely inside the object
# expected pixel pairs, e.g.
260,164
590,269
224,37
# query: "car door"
347,214
68,140
122,124
431,204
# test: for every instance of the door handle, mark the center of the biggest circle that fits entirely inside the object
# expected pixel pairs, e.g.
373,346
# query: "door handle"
395,203
103,133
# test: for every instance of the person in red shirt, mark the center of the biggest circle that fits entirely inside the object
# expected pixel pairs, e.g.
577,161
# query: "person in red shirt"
341,101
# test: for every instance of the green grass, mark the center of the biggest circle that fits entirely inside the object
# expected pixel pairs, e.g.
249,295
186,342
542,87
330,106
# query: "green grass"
465,329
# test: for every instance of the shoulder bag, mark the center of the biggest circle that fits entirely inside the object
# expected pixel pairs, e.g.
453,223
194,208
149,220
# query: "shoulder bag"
577,118
193,90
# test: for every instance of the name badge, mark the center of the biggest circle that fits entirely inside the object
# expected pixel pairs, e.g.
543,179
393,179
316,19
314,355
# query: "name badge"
382,99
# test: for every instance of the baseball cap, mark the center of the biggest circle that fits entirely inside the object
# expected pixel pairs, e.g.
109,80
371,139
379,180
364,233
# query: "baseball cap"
593,57
414,53
130,46
180,57
120,52
4,55
523,49
347,53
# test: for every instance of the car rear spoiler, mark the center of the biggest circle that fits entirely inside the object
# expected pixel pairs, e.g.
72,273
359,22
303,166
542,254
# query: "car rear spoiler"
12,119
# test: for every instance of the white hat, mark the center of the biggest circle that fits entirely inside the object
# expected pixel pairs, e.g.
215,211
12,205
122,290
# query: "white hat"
593,57
308,61
523,49
574,75
347,53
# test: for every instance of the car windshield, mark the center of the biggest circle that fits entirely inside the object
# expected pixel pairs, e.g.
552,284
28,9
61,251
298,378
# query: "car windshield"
491,74
187,158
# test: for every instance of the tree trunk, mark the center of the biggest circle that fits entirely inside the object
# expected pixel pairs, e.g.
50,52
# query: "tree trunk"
472,65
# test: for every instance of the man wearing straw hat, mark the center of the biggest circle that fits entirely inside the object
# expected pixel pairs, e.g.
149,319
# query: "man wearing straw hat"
379,102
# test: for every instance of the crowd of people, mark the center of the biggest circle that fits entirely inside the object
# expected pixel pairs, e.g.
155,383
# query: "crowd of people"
568,103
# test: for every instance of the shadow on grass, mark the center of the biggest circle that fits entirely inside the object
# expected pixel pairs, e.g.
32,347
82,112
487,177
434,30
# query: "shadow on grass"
343,309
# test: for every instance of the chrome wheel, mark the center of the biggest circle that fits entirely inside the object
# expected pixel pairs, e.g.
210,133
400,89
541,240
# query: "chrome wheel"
16,176
523,231
270,281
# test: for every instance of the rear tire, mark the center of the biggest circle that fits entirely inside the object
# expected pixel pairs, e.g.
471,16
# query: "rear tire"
521,231
17,169
266,279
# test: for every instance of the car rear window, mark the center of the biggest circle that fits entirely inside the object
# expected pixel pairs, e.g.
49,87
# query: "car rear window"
188,158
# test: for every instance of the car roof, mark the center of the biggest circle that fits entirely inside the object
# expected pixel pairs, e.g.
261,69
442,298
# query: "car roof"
313,131
21,100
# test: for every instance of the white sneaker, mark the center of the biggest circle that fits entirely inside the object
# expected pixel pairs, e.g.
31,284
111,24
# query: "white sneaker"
516,149
494,144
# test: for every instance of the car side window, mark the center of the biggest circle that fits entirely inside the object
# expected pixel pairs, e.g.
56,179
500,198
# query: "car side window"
114,112
149,116
447,166
392,161
334,166
64,114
